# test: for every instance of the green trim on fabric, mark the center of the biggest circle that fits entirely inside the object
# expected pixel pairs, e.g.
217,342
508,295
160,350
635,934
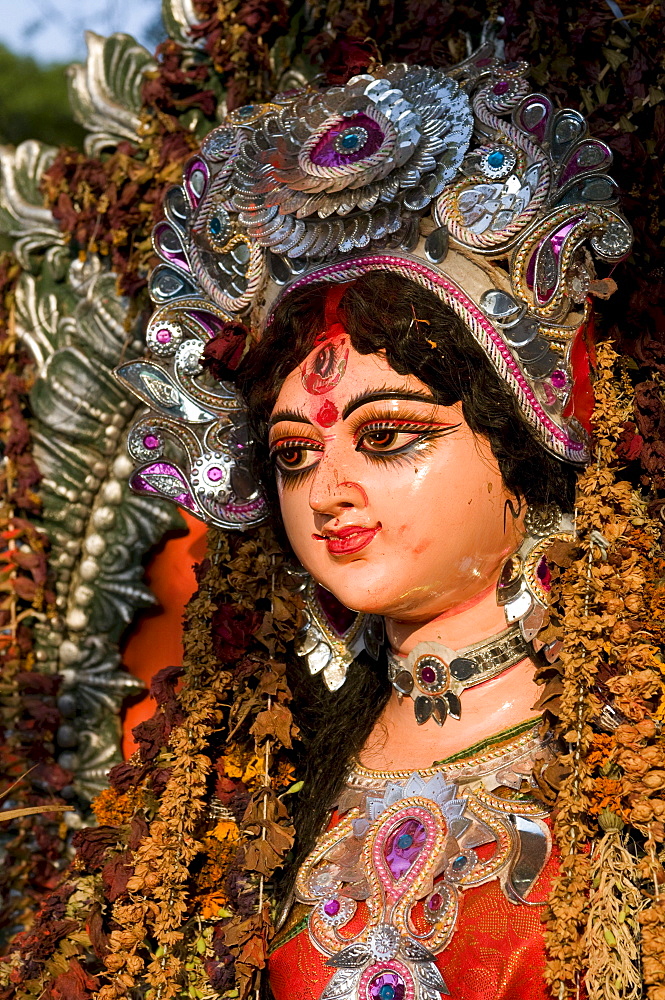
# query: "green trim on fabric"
477,748
289,936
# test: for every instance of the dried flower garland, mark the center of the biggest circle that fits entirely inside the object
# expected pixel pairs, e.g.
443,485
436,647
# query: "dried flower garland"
28,714
173,884
238,36
611,645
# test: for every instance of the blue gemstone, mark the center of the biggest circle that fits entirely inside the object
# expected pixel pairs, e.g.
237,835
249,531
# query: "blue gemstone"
459,863
215,226
496,159
247,111
405,841
387,992
351,141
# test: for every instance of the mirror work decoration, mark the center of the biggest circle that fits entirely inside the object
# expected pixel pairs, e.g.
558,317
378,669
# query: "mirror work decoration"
170,895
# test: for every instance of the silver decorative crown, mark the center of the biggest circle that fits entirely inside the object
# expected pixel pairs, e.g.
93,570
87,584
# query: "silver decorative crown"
463,181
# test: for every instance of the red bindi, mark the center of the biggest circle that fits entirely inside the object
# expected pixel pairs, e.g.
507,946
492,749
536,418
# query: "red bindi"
328,414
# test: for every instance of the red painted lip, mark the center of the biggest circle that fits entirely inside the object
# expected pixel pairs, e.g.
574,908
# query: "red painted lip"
345,541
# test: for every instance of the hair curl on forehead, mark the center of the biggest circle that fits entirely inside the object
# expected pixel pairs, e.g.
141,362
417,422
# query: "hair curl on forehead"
418,335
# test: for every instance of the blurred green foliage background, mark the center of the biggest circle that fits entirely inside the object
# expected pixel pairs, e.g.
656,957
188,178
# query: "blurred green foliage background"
33,102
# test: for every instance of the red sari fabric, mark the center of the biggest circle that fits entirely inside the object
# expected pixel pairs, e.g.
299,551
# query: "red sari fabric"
496,953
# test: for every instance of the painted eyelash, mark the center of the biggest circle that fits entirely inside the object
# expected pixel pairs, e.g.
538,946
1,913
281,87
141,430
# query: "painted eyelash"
379,413
282,444
423,443
293,477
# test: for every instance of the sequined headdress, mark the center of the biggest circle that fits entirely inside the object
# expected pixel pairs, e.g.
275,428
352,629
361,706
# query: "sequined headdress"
463,181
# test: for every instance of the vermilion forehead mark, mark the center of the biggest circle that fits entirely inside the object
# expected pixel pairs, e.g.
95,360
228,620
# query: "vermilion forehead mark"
328,414
323,370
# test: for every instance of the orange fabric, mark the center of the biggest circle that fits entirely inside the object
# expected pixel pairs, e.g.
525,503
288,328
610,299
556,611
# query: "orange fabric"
497,951
156,639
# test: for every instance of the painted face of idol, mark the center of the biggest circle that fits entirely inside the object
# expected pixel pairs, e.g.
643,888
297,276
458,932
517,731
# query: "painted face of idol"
388,499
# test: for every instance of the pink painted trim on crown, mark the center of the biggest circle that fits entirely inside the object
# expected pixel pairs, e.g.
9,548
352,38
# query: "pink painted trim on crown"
468,305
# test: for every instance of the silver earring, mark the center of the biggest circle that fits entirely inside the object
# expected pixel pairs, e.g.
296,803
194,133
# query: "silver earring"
524,584
333,635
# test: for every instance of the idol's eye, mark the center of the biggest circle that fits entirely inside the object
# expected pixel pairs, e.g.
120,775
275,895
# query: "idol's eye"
293,455
386,439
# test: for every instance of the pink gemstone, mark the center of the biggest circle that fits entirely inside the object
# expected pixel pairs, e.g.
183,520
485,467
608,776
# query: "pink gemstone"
339,616
403,847
428,674
544,574
163,336
332,907
215,474
151,442
500,88
435,901
558,379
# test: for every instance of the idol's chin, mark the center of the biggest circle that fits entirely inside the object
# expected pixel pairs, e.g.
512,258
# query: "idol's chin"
370,597
384,596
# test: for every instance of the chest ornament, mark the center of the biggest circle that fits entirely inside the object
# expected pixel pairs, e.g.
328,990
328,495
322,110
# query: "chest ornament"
408,853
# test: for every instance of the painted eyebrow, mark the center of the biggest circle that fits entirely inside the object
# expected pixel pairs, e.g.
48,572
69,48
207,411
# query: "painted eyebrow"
295,416
373,397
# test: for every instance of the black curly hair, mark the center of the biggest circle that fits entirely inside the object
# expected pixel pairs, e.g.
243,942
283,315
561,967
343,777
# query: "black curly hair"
389,313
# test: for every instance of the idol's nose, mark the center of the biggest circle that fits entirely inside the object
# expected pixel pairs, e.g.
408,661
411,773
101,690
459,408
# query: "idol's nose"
331,494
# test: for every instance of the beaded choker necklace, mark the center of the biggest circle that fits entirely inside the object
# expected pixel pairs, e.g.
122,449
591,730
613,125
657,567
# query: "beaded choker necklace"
434,676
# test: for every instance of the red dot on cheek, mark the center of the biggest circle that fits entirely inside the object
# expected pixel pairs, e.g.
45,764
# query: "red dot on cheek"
328,414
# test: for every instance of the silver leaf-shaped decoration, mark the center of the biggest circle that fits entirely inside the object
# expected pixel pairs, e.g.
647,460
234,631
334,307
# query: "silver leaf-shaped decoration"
168,485
429,976
157,389
342,986
23,217
179,17
415,952
105,92
353,957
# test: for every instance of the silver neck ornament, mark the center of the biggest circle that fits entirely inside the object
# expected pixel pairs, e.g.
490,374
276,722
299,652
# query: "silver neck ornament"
434,676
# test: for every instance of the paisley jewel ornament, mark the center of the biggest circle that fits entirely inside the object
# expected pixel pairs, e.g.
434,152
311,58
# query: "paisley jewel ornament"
434,675
409,842
333,636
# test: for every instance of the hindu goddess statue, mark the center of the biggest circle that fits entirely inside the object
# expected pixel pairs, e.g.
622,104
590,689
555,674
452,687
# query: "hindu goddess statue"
414,253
